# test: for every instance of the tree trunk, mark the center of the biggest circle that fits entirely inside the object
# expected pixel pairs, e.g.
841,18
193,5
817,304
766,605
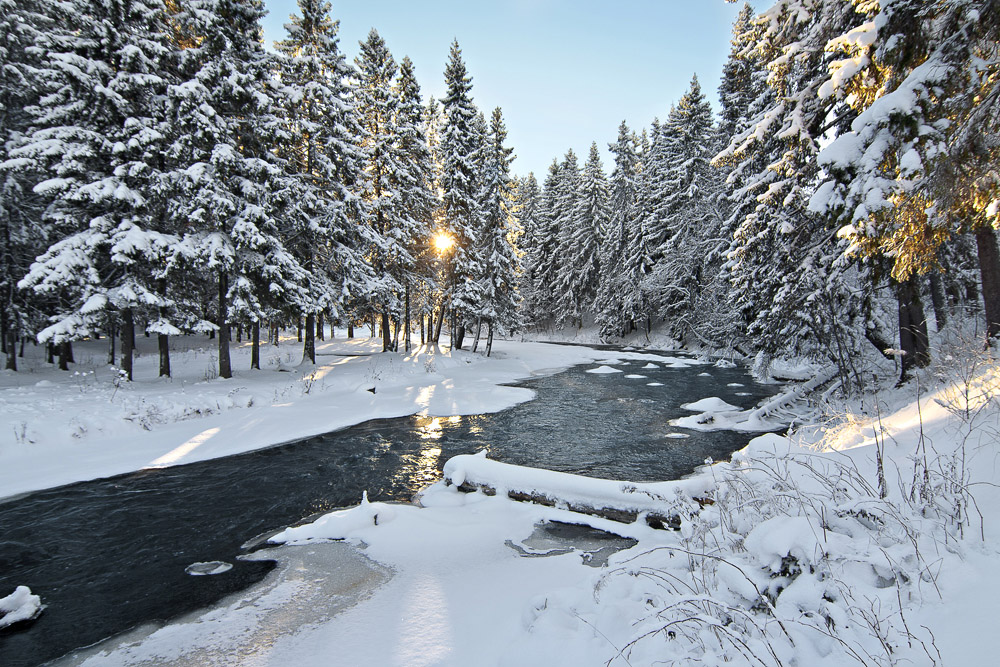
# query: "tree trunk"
350,329
69,351
111,341
162,339
938,300
309,349
440,323
320,329
225,364
64,356
423,336
989,271
239,333
11,345
489,339
128,341
479,331
459,336
912,328
3,330
385,332
50,353
255,346
299,329
163,344
406,319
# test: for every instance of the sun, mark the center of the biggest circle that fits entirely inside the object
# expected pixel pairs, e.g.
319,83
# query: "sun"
443,242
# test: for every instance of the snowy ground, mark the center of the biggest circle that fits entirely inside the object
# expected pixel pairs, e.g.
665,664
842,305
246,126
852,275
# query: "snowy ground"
798,552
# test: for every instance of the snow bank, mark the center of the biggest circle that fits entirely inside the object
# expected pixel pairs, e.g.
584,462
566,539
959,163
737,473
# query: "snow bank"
19,606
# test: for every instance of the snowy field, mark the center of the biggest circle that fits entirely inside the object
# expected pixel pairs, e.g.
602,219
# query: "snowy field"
800,551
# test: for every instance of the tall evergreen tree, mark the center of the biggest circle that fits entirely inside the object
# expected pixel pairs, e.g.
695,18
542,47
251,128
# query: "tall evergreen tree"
617,289
228,168
320,205
415,186
378,106
497,236
459,143
100,134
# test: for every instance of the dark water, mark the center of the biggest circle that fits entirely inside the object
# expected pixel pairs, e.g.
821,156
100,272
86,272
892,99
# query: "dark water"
110,554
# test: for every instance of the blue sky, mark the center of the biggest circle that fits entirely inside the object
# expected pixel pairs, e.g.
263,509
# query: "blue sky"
565,72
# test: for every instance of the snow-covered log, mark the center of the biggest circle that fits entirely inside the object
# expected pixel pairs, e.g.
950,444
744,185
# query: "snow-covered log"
794,394
659,504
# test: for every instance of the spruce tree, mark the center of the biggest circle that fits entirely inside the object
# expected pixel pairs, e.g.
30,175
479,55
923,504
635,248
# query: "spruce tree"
415,186
320,207
497,236
101,135
228,169
459,143
616,284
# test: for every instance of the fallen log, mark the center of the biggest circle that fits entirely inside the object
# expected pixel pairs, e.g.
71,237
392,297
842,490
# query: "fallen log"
659,505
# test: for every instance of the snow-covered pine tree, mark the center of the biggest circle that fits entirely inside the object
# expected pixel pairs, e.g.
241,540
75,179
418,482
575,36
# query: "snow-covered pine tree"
497,237
783,258
378,106
25,30
101,136
615,284
564,209
321,208
545,250
459,143
415,186
685,226
529,207
744,95
227,165
581,241
918,163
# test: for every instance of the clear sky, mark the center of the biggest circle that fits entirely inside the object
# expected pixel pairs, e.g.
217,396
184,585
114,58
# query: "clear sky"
565,72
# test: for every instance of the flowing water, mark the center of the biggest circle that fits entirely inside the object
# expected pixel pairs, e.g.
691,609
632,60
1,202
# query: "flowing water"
110,554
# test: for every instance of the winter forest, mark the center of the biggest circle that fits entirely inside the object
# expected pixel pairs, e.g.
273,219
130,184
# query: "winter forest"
163,173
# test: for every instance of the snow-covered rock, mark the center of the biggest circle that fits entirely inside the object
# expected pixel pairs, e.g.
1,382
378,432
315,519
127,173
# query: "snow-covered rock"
21,605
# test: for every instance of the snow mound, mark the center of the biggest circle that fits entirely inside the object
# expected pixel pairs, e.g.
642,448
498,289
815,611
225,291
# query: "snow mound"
604,369
724,363
654,384
710,404
339,525
635,376
19,606
735,384
704,375
650,366
677,436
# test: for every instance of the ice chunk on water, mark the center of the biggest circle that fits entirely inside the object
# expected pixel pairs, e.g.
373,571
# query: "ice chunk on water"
635,376
654,384
650,366
735,384
208,568
19,606
676,436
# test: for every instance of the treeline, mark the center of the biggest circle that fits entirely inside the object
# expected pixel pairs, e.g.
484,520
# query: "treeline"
163,171
851,176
